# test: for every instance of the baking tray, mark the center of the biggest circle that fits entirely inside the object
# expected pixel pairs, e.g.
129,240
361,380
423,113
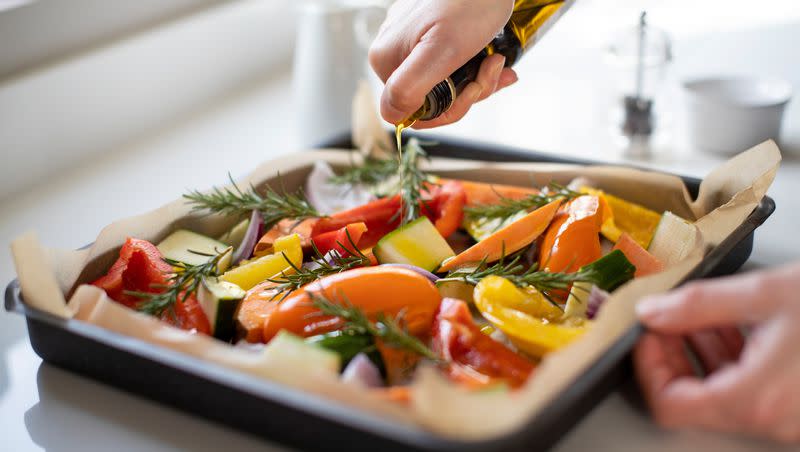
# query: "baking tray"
303,420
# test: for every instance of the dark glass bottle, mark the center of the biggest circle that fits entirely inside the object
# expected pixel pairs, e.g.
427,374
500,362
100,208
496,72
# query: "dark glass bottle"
529,21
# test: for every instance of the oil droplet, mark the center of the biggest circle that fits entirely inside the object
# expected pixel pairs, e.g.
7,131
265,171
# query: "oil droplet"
398,131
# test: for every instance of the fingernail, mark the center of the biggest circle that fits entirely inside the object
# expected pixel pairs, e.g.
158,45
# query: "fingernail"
501,62
648,309
514,78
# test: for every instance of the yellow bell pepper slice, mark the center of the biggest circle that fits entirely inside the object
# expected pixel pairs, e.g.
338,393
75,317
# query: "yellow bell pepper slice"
257,270
525,316
623,216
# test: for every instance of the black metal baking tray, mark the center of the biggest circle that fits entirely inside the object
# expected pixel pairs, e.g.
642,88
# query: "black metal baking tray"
303,420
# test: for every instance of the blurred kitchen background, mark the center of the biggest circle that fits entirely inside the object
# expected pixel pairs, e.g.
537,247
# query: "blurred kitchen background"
108,109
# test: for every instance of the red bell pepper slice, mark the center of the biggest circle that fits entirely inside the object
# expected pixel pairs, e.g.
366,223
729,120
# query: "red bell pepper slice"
379,216
334,240
188,315
446,208
442,204
474,358
141,268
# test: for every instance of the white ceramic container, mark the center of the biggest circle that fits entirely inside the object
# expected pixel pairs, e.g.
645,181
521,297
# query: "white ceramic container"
730,115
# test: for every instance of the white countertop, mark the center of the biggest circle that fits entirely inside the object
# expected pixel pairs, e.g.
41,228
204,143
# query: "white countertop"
42,407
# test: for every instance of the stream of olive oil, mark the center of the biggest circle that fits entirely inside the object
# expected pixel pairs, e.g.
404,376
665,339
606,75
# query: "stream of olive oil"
398,134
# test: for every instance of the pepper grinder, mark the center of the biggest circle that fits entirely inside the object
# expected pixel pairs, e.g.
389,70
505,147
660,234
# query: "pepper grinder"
641,59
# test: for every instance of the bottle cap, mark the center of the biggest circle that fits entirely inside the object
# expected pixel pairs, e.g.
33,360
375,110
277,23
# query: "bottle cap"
439,99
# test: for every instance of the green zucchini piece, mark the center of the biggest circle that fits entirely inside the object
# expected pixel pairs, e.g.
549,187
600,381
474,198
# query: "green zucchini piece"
219,300
235,235
610,271
349,344
417,243
292,350
180,244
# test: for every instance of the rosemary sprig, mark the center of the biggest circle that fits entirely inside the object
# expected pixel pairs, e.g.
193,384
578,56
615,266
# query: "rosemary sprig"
372,172
183,283
412,181
483,269
336,263
386,328
508,207
607,273
272,206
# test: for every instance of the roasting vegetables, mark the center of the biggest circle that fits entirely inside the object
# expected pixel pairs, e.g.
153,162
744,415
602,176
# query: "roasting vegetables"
474,358
376,291
645,263
673,230
626,217
418,243
192,248
257,270
573,240
140,271
219,300
522,316
509,239
292,350
348,344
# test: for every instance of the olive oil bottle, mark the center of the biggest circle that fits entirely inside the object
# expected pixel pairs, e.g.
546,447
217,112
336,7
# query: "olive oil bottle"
529,21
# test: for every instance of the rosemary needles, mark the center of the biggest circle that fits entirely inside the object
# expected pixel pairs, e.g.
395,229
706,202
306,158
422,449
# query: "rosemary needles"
412,182
508,207
372,172
272,206
607,273
322,265
385,328
183,284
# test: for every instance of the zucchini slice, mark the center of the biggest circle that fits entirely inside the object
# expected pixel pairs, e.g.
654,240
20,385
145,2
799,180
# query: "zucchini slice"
219,300
417,243
180,244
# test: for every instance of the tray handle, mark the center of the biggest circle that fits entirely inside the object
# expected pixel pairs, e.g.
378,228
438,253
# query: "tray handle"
14,297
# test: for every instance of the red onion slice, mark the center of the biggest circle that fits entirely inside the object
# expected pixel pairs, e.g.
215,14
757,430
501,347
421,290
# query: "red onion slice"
329,198
433,278
361,370
596,299
330,258
251,236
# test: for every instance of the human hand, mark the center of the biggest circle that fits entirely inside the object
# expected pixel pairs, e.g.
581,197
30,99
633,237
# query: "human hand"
422,42
751,387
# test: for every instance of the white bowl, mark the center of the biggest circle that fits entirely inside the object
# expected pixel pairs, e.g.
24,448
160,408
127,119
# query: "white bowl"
730,115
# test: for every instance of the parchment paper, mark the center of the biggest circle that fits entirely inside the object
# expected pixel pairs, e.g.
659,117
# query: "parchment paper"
727,196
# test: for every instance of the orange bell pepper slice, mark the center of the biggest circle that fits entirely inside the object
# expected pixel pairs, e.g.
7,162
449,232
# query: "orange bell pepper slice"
375,290
573,238
509,239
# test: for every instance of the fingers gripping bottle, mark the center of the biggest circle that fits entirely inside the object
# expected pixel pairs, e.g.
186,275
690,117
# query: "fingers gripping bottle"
528,23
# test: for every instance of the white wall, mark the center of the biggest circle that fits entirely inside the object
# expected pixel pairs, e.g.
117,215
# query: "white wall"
60,114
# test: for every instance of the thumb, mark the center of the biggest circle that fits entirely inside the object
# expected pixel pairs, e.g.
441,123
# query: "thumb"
721,302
